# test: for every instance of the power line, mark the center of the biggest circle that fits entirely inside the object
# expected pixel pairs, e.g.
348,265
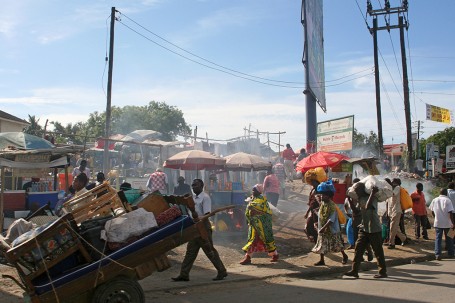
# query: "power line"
206,60
433,93
227,70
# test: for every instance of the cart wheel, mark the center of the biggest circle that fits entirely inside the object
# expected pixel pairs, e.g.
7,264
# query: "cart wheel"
119,290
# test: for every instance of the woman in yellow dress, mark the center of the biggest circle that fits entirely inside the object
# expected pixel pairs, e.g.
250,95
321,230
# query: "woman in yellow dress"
260,233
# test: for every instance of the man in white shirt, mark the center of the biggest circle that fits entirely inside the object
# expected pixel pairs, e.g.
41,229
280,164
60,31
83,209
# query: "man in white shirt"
203,206
82,168
442,210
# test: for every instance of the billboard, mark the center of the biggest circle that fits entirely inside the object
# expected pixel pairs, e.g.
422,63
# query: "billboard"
335,135
439,114
313,56
450,157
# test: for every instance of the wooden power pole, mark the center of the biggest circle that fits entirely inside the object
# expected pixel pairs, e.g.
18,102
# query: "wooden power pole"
106,164
387,10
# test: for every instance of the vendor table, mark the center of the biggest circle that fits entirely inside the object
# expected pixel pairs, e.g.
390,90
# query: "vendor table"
233,219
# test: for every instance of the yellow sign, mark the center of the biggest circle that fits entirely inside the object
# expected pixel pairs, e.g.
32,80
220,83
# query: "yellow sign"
439,114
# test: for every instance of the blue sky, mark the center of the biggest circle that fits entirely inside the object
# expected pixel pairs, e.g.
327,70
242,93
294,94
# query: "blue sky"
52,63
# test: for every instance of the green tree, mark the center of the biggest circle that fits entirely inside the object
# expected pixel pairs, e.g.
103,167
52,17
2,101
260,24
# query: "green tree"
364,144
34,128
69,134
168,120
157,116
441,138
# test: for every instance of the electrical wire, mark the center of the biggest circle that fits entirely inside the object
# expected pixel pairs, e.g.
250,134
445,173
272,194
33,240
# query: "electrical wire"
229,71
390,102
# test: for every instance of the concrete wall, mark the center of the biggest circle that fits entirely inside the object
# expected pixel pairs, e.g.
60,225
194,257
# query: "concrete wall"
10,126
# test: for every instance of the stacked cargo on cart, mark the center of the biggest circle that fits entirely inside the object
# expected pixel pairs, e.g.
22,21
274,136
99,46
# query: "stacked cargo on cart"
68,260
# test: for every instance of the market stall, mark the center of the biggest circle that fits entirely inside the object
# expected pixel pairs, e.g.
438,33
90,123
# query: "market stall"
232,186
347,170
38,171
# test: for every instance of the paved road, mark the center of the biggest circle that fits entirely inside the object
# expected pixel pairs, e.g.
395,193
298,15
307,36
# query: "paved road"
432,281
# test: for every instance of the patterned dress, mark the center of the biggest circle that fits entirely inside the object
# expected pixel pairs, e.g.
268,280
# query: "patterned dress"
260,233
331,240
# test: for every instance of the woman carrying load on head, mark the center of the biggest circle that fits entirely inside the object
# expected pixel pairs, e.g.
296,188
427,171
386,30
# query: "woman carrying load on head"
329,231
311,215
260,233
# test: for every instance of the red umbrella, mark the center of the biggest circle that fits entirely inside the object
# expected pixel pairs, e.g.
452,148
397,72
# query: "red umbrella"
194,160
320,159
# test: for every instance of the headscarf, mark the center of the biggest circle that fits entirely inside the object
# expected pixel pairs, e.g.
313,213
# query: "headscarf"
259,188
326,187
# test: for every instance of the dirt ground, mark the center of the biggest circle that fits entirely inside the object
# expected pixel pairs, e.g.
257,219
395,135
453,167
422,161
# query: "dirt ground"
290,238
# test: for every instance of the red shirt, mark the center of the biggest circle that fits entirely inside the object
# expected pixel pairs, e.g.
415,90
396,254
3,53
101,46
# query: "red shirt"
288,154
271,184
418,204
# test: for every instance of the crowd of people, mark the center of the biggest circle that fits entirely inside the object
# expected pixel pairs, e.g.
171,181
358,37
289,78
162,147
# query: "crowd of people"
322,226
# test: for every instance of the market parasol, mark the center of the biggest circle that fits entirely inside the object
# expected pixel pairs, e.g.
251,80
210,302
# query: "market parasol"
246,162
319,159
20,140
194,160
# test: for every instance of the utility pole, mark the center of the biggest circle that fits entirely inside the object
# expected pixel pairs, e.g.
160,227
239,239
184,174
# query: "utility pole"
407,108
378,88
419,126
387,10
106,164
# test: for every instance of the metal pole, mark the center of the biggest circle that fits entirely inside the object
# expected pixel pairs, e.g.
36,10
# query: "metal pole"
378,87
106,164
310,100
407,110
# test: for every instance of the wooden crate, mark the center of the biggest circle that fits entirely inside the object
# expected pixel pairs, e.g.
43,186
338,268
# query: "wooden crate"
99,201
43,252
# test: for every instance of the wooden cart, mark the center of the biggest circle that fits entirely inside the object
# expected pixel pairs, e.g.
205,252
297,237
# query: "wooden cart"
112,278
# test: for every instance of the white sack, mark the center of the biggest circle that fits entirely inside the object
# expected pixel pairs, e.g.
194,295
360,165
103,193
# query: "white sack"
385,189
130,224
276,213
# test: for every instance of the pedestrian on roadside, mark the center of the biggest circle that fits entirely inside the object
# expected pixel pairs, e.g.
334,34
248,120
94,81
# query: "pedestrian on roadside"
271,188
329,231
79,183
278,170
182,188
443,213
369,232
311,214
289,157
260,233
394,212
82,168
158,182
419,209
203,206
300,157
354,207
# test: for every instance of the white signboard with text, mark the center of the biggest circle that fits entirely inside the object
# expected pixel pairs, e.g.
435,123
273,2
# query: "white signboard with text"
335,135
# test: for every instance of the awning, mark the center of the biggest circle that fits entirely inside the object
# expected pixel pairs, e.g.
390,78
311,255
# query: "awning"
62,161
